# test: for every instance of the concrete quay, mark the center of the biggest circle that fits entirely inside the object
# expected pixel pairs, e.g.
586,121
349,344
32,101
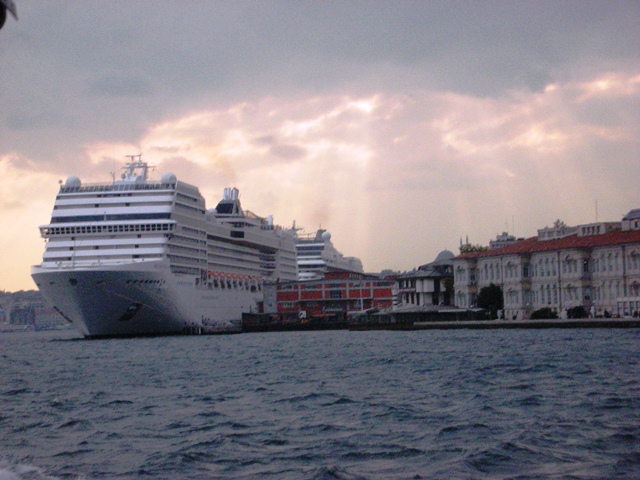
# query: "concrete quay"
503,324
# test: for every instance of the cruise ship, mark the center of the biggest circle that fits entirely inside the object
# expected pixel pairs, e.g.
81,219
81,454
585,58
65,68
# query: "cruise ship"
317,255
139,257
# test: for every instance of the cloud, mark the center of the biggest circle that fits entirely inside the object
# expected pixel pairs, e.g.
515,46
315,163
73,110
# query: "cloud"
380,169
26,202
120,86
288,152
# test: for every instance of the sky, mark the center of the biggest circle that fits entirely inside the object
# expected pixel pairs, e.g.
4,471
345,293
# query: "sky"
399,126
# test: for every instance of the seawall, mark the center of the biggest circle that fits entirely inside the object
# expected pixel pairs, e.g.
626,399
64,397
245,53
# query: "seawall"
503,324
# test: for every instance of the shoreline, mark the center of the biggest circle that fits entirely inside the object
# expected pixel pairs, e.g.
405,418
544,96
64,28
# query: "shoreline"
450,325
607,323
505,324
447,325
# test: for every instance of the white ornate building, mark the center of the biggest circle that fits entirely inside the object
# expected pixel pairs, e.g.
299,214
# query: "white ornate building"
425,287
596,266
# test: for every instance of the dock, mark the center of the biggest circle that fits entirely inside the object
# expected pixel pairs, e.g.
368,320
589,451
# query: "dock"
255,323
503,324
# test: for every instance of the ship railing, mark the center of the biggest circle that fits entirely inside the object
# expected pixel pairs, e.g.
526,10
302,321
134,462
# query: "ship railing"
304,236
105,262
119,187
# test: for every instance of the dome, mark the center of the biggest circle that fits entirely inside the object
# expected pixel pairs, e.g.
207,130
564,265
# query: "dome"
73,182
326,236
444,256
168,178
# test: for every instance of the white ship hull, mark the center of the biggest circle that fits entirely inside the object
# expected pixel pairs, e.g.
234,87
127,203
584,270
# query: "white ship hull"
141,300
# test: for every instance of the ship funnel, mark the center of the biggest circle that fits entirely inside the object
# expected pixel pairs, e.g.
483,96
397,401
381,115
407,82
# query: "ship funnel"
234,193
227,194
270,220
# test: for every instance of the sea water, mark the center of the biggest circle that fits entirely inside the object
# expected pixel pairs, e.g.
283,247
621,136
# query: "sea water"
314,405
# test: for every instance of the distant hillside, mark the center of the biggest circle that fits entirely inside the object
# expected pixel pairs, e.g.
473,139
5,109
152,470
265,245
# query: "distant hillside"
27,308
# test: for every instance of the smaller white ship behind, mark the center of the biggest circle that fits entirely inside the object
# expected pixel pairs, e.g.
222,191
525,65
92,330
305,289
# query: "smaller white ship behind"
317,255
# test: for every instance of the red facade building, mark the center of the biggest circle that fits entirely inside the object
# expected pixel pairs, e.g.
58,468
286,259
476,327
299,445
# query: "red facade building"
333,296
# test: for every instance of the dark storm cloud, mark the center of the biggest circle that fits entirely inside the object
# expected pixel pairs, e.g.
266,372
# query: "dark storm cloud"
119,86
482,48
26,120
94,70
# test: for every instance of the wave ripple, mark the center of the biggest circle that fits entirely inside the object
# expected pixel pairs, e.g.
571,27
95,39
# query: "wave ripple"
322,405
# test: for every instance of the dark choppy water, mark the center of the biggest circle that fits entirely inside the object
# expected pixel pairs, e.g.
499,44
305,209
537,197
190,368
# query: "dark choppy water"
347,405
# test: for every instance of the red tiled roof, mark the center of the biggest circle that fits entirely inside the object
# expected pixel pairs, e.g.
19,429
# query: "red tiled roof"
533,245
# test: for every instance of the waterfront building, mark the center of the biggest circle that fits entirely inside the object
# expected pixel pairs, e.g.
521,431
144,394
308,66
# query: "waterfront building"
28,309
24,315
427,286
332,296
594,266
502,241
631,220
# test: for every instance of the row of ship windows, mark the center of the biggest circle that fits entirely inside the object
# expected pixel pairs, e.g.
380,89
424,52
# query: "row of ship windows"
188,260
190,208
247,262
106,217
182,196
315,248
193,241
145,282
122,187
187,250
122,203
151,227
91,197
107,257
74,282
184,270
221,251
234,285
213,245
156,246
193,231
230,252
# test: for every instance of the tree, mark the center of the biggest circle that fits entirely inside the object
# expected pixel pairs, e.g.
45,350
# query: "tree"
577,312
469,248
544,313
449,289
559,224
490,298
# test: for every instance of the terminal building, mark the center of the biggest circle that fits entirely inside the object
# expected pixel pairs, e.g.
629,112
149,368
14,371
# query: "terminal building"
332,297
595,266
